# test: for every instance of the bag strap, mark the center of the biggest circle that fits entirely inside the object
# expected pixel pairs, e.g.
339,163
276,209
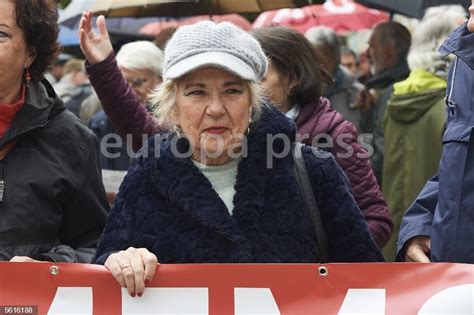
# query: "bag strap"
304,184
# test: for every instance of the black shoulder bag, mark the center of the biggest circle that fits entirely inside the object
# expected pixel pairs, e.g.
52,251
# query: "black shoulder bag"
304,184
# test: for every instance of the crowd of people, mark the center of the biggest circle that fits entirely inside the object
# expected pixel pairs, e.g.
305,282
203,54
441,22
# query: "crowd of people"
209,128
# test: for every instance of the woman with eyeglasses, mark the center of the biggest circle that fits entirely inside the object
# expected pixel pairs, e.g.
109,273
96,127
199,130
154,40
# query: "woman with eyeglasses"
122,81
138,68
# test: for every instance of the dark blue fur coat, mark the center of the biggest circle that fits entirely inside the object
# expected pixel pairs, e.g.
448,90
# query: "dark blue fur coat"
168,206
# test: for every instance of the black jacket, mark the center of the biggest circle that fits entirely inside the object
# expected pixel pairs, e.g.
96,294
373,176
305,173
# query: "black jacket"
54,204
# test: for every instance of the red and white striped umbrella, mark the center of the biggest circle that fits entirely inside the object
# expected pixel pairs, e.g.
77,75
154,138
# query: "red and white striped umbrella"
341,15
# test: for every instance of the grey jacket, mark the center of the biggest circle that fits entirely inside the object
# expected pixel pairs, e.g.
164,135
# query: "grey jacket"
54,205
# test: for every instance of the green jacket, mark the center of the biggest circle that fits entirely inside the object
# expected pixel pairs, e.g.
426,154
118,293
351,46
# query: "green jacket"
413,126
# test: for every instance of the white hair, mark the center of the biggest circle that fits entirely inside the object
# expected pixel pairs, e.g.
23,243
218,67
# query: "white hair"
163,100
437,23
141,55
320,36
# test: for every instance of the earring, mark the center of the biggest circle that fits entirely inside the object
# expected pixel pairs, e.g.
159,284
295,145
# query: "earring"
177,130
27,75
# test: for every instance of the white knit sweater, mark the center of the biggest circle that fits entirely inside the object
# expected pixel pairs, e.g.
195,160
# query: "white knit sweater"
222,178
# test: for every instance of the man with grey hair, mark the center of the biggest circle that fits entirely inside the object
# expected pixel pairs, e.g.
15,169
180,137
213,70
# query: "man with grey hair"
388,49
415,119
342,93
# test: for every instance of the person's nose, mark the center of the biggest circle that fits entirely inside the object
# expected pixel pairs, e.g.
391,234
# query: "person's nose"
215,107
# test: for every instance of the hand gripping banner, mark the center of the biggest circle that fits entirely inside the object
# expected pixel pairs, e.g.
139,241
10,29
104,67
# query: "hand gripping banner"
242,289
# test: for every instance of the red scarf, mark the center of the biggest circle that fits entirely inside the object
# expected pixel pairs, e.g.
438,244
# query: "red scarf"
8,112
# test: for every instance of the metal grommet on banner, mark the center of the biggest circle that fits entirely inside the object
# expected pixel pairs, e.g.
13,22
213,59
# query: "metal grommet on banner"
54,270
323,271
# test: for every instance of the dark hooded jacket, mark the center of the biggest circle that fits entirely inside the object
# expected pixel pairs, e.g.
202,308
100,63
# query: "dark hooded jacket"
129,117
54,203
167,205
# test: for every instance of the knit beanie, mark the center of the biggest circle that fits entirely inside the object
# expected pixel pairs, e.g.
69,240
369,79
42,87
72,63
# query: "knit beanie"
207,44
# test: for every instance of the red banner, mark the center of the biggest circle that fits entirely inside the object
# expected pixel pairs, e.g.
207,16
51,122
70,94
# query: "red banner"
220,289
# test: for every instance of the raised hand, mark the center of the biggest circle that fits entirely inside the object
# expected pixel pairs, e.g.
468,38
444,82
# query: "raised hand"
96,47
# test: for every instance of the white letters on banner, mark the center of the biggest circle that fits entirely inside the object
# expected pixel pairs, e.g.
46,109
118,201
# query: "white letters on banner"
457,300
72,301
255,301
167,301
363,302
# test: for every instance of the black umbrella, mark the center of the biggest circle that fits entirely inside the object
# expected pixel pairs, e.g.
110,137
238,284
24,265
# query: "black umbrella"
411,8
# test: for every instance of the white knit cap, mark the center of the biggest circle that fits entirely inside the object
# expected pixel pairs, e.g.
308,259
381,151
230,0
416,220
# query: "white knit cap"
207,44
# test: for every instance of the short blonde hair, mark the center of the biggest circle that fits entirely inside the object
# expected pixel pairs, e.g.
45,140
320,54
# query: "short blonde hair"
163,100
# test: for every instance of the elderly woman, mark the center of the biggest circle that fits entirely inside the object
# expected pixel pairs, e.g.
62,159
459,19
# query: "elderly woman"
316,119
295,86
211,191
141,65
52,201
122,83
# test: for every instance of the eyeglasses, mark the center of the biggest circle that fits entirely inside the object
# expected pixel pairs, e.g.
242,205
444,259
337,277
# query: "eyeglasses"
136,83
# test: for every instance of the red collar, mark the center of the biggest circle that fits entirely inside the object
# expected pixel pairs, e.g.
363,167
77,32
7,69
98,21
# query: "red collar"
8,112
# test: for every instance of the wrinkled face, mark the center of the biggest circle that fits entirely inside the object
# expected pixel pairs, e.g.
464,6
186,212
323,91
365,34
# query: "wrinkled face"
349,62
276,87
470,24
213,109
14,55
142,81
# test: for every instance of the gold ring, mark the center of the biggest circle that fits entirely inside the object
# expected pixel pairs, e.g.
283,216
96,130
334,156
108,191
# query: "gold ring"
125,266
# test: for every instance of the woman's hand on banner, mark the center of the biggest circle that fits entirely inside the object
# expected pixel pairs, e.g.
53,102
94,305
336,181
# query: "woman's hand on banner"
132,268
23,259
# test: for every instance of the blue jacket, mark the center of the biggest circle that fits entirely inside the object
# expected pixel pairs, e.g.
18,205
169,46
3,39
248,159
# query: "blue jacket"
167,205
444,210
